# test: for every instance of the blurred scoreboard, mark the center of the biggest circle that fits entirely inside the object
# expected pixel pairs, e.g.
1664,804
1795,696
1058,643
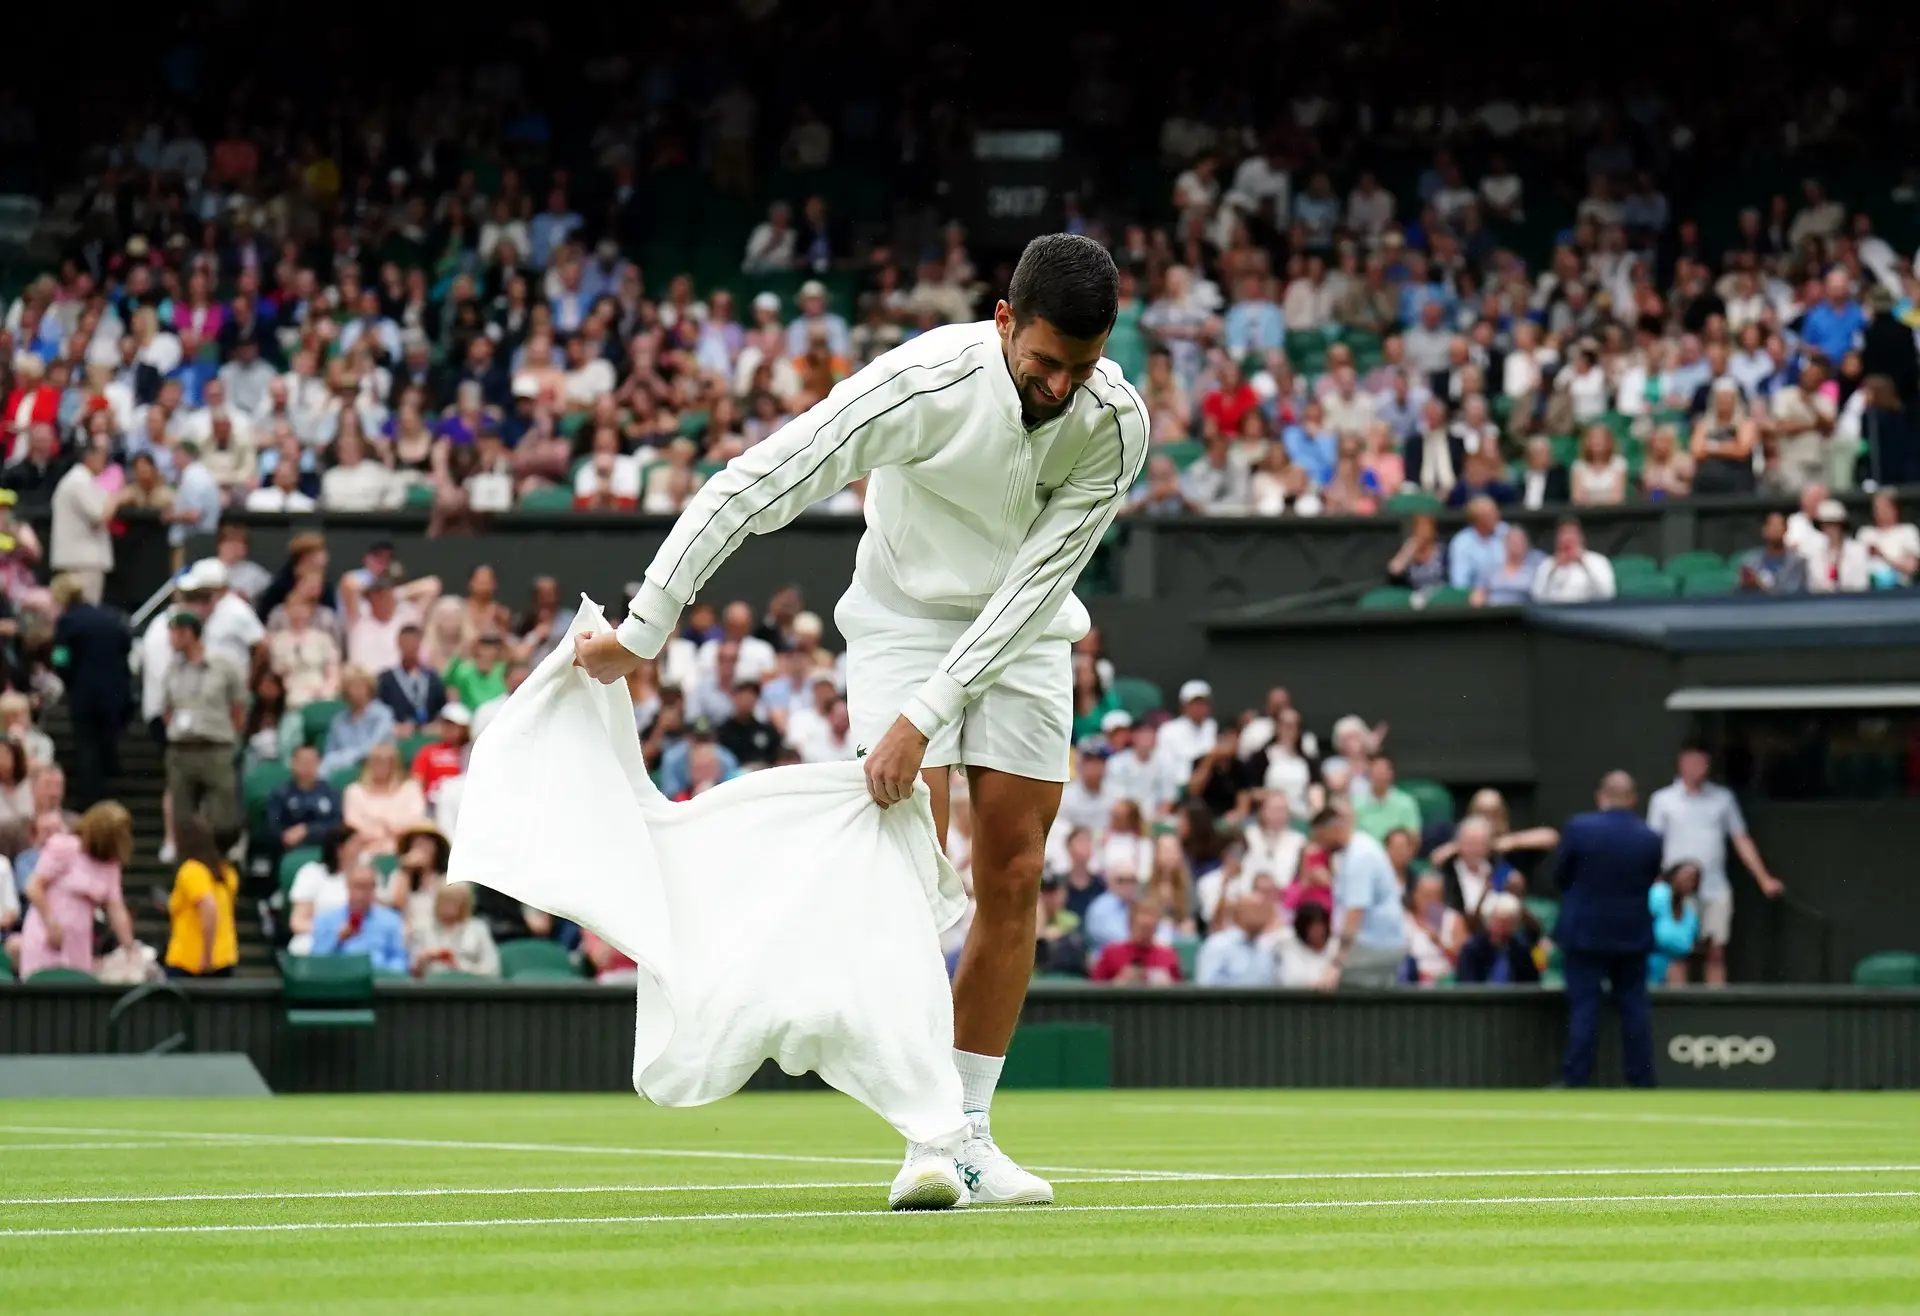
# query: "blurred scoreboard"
1020,176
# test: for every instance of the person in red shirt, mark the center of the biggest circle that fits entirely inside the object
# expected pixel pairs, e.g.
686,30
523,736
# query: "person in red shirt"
446,757
31,402
1232,398
1139,959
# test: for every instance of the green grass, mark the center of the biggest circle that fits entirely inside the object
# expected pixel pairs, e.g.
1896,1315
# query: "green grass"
1321,1201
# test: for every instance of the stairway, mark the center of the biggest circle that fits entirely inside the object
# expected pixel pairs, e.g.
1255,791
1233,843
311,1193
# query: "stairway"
140,786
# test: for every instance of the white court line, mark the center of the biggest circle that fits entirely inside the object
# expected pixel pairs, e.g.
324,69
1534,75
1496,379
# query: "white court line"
1451,1112
75,1146
302,1140
355,1194
723,1216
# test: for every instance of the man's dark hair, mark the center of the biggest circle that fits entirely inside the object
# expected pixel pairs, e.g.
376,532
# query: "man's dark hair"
1070,282
1567,523
1327,817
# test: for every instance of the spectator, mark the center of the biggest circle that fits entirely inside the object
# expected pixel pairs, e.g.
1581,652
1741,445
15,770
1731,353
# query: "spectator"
1287,770
1128,842
90,649
1058,948
76,875
358,727
1371,937
1307,957
1162,493
1832,327
1723,444
446,757
1773,568
384,803
1435,931
1243,954
304,654
1801,422
1435,457
412,692
1676,924
361,926
377,612
1139,960
1087,800
453,940
81,543
746,735
1184,739
1386,808
1470,872
1218,779
1312,445
16,785
1273,846
1511,581
1221,482
1696,820
1498,955
1082,885
1893,546
1598,477
320,885
1420,565
419,873
203,942
1484,477
1146,773
1575,573
205,708
772,243
1665,471
1106,921
1835,563
1478,547
16,725
305,809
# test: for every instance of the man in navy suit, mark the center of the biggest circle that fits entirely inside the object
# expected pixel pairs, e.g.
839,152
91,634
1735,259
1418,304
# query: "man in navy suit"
1608,861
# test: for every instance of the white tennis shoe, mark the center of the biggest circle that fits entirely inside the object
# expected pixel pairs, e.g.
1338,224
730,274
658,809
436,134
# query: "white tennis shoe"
991,1177
928,1180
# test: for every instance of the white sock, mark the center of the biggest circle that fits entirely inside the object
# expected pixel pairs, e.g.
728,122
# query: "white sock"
979,1076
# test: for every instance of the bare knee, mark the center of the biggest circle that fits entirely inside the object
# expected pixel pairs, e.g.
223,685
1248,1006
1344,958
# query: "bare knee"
1006,884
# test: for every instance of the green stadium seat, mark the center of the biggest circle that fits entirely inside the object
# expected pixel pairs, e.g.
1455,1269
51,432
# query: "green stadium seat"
1566,447
535,958
1655,586
1546,910
341,778
316,718
1188,949
1635,564
1411,502
552,498
1449,597
327,991
419,497
384,865
55,976
1888,968
1703,584
412,745
1695,562
262,780
1434,799
1183,452
1386,599
1138,695
293,861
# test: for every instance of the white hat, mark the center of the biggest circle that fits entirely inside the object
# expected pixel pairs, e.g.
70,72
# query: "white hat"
458,714
813,288
1193,690
808,623
1831,512
767,301
526,386
1117,720
207,573
826,674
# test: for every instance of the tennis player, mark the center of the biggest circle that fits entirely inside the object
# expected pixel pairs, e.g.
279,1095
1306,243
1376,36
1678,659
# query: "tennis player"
999,453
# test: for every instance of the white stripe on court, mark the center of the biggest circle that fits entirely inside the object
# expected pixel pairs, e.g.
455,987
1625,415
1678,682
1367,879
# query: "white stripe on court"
1452,1112
75,1146
725,1216
354,1194
443,1144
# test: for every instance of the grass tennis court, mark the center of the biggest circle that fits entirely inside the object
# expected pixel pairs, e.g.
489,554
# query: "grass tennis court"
1257,1201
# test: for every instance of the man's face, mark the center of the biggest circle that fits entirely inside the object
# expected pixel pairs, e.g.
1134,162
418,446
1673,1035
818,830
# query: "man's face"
1483,515
837,719
1253,914
409,647
486,654
745,698
306,765
1046,365
381,597
1693,767
1143,741
1474,844
1568,543
1093,771
1197,710
1143,920
360,890
1773,533
1380,774
737,621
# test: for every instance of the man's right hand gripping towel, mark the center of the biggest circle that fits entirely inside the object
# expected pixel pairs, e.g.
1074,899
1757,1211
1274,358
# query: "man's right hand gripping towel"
782,914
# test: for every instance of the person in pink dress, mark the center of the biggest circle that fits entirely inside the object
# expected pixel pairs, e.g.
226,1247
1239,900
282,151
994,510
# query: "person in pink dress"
78,873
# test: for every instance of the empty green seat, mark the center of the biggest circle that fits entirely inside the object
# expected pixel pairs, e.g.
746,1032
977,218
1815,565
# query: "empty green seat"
1888,968
535,958
262,780
1546,910
316,718
1700,584
1386,599
1137,695
1434,799
1695,562
1654,586
1182,452
327,991
62,974
341,778
1635,564
552,498
293,861
1410,501
412,745
1449,597
1188,949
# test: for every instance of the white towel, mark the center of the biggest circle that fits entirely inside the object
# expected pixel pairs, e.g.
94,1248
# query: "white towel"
778,915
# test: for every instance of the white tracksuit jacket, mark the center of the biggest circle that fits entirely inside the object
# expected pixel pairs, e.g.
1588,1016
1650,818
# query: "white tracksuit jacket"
970,515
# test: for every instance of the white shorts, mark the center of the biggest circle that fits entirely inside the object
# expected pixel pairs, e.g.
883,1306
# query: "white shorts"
1716,919
1022,724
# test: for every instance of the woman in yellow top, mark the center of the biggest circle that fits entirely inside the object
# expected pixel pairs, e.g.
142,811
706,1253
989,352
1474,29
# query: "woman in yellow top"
203,943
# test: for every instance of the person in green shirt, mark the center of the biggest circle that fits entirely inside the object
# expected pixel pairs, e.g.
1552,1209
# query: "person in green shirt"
474,681
1388,807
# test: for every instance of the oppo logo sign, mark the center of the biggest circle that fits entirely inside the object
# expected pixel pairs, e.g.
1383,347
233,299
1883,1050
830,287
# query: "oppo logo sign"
1720,1052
